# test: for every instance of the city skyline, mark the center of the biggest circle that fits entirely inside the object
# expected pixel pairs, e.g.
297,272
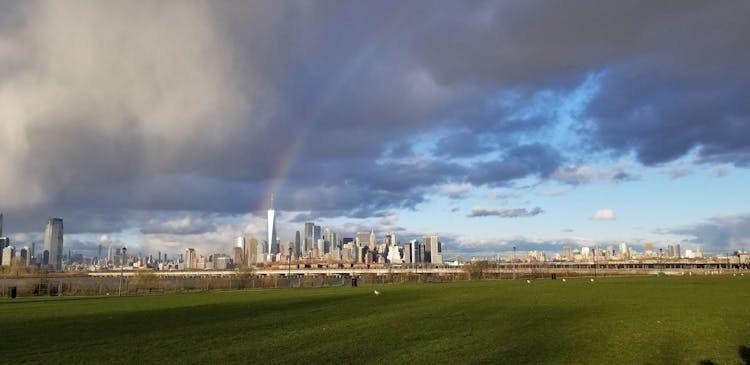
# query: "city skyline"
493,124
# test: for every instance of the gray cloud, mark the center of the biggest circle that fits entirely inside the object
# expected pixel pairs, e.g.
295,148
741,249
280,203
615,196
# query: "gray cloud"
719,233
115,111
504,213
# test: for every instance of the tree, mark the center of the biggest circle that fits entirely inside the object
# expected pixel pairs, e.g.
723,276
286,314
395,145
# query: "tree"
244,276
145,279
475,269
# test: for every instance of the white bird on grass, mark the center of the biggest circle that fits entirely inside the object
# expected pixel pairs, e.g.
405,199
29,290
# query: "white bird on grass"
528,281
564,280
592,280
377,292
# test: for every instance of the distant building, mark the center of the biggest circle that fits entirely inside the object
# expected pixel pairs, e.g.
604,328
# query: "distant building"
417,252
677,251
53,243
297,243
407,253
433,251
191,259
4,242
239,252
272,238
362,239
8,253
309,238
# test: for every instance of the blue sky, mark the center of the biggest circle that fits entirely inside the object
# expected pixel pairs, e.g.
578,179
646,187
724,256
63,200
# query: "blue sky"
494,123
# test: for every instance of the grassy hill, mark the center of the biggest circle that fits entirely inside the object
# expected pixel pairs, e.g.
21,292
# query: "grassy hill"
643,320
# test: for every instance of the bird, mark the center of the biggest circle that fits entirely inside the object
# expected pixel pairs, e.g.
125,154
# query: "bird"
528,281
376,292
564,280
592,280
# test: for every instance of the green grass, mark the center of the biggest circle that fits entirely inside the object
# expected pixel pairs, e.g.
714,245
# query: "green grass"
645,320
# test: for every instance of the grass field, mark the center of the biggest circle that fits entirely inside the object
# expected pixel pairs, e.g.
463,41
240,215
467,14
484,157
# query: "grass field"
643,320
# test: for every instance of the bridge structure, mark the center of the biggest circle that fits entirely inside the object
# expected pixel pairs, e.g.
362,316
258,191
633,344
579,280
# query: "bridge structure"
523,269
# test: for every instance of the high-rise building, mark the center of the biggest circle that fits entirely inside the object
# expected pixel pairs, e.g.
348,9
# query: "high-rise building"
297,243
677,252
272,238
239,252
191,259
111,254
407,253
317,234
417,252
362,239
373,240
4,242
624,251
309,237
7,255
53,243
252,251
567,253
25,256
649,247
433,249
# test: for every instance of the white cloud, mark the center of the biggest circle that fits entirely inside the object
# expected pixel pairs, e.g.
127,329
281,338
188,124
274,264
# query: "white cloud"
604,215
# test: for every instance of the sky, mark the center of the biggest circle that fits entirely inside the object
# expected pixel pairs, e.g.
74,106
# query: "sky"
537,124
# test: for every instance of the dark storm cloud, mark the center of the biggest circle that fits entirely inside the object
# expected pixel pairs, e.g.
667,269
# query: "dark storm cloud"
719,233
316,95
519,162
504,213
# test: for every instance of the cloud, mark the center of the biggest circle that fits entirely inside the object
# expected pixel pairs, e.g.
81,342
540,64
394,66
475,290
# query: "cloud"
583,174
604,215
107,123
552,193
504,213
731,232
518,162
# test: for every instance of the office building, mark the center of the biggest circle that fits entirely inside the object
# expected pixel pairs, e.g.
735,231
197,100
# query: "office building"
297,243
7,256
309,237
4,242
433,249
272,238
362,239
53,244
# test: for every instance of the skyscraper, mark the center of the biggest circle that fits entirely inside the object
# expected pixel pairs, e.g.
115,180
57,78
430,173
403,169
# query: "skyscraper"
271,230
297,243
433,249
53,243
309,237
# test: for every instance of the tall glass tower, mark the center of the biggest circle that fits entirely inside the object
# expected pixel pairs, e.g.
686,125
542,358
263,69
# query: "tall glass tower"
53,243
271,230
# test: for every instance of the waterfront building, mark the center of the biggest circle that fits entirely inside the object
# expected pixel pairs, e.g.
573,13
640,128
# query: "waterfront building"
7,255
309,237
433,251
417,252
4,242
362,239
297,243
406,253
53,243
273,247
